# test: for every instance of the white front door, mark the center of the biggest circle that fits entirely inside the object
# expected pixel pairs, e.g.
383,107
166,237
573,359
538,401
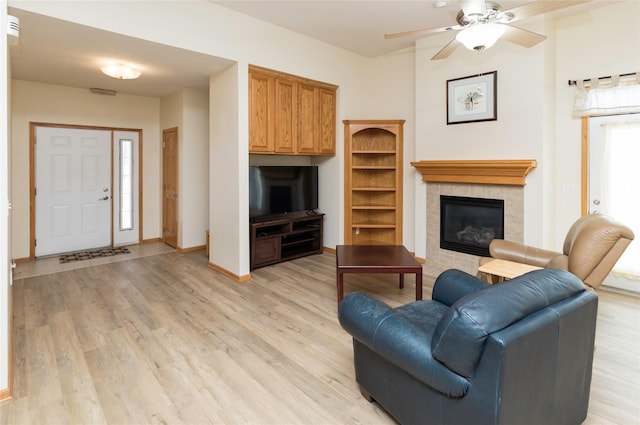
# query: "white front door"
73,189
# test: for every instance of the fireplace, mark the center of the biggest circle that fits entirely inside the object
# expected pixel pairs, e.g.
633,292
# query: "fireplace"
468,225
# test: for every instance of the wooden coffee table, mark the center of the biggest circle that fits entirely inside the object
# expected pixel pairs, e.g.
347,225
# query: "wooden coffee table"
376,259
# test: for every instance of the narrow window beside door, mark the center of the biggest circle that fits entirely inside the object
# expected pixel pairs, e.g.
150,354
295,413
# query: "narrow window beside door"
126,184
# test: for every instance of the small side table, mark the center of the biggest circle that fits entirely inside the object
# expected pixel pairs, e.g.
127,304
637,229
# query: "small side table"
376,259
504,269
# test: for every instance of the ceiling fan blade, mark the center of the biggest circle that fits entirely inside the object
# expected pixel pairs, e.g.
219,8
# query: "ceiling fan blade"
539,7
426,31
522,37
446,50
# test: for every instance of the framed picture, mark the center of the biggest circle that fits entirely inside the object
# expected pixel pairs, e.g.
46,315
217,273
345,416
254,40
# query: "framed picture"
473,98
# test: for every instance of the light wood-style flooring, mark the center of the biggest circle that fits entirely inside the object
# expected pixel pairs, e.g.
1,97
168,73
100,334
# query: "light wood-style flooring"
163,339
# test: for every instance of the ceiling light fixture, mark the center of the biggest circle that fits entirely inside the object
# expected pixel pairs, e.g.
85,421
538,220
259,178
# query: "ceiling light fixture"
480,36
121,71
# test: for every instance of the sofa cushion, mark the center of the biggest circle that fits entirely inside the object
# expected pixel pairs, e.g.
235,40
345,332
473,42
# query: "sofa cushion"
460,335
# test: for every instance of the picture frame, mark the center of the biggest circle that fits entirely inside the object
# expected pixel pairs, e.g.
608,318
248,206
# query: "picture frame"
472,99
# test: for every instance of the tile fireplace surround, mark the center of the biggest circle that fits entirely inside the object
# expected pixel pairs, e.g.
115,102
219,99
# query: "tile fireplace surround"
500,179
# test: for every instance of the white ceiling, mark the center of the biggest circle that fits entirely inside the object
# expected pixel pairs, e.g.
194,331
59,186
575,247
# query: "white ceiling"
60,52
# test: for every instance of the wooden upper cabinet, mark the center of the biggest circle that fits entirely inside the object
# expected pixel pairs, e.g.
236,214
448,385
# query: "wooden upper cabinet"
285,112
290,114
307,119
261,132
327,124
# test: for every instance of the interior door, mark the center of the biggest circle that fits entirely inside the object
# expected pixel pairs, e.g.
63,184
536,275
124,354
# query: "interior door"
73,189
170,187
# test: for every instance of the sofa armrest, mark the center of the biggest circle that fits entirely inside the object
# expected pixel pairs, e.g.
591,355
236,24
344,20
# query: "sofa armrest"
397,340
520,253
453,284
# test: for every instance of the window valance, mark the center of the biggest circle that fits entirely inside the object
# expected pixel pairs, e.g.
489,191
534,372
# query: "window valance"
614,96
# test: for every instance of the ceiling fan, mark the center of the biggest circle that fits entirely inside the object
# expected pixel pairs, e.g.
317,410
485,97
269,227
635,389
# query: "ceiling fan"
481,23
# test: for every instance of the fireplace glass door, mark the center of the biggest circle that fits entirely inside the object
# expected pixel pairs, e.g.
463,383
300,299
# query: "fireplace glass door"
468,225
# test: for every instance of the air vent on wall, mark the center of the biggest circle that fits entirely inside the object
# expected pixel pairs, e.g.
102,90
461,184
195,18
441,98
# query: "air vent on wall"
13,30
108,92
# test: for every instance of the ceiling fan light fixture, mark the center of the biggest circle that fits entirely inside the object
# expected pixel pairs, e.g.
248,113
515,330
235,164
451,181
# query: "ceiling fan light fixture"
121,71
480,36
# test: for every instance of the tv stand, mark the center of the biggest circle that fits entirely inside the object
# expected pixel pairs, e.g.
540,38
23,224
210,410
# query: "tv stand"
285,238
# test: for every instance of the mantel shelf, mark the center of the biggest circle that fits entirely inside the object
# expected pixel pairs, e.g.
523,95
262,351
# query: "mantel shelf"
508,172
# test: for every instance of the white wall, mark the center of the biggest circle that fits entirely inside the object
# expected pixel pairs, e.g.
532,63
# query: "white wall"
220,32
229,159
602,42
390,88
534,108
194,168
46,103
516,134
5,249
188,110
526,126
385,89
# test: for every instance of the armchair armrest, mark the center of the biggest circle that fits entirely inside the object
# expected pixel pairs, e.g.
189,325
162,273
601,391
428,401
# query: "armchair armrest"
520,253
453,284
396,339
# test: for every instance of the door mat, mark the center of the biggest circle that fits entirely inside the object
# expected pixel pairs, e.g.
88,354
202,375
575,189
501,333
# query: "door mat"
87,255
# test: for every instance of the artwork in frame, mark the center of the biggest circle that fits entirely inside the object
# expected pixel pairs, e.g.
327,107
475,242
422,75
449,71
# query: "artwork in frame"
472,99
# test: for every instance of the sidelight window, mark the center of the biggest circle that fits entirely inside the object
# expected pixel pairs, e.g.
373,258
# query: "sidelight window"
126,184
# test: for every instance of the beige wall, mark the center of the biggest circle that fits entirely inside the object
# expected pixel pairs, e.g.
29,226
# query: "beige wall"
5,249
260,44
534,109
532,92
597,43
532,82
46,103
194,168
188,110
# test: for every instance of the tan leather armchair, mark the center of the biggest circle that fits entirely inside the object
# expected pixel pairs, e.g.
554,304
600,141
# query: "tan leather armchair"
592,247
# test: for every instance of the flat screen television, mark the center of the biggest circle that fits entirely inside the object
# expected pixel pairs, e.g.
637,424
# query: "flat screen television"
277,190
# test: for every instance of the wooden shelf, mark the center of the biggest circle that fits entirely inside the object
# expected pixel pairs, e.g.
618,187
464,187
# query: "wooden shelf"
373,182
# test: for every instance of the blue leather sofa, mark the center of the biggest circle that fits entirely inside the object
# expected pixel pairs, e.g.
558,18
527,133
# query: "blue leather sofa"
519,352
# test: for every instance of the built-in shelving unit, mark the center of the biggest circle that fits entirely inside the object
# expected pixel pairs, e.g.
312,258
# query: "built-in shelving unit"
373,182
286,238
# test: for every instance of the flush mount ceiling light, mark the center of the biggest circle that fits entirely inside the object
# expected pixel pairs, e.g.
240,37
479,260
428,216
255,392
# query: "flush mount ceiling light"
121,71
480,36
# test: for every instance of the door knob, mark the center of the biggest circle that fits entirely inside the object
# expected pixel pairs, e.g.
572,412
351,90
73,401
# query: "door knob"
104,198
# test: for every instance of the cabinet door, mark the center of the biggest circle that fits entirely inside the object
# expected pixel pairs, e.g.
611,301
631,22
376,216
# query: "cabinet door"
307,119
327,122
285,112
267,250
261,135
